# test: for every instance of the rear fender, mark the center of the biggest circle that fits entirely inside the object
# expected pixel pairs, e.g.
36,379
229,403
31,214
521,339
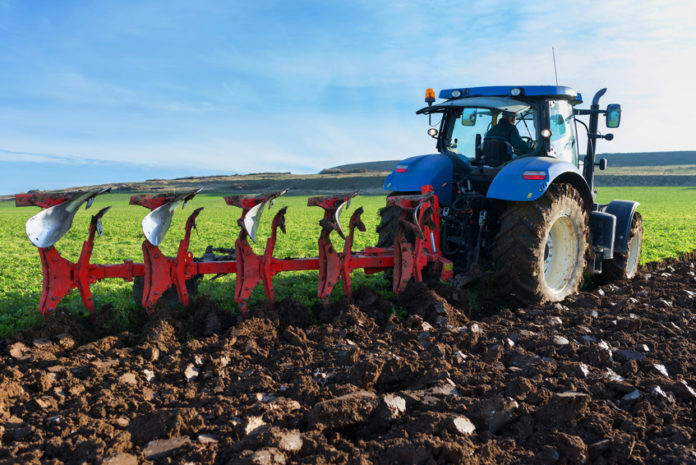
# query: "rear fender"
509,184
623,210
413,173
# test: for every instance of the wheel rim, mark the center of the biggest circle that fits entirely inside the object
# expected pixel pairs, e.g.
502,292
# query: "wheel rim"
560,254
633,254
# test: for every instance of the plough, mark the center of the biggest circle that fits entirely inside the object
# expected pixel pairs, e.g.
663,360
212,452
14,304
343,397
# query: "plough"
416,246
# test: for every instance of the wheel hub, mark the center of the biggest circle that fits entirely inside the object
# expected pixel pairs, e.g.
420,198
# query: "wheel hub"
633,255
560,252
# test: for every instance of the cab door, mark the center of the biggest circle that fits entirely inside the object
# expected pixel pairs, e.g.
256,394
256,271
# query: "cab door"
563,141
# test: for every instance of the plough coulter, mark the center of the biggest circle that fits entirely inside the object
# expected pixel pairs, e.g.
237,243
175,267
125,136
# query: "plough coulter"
416,247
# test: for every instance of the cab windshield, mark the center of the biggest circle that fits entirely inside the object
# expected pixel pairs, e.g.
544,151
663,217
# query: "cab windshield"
468,123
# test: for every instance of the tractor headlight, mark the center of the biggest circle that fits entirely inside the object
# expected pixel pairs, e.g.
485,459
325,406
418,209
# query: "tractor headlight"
456,93
516,91
432,132
545,133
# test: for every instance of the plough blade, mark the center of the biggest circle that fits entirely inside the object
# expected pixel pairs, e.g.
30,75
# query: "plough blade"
49,225
252,208
156,224
161,272
330,262
44,229
252,268
333,207
347,262
267,270
81,275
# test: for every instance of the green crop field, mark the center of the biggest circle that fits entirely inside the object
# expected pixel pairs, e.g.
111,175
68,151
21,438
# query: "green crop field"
669,220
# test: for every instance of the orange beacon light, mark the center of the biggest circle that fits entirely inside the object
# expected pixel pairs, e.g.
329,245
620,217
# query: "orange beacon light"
429,96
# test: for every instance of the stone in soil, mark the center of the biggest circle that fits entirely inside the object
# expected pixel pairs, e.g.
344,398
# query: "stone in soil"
162,447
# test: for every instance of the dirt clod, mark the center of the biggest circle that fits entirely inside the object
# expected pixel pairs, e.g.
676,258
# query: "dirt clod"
343,411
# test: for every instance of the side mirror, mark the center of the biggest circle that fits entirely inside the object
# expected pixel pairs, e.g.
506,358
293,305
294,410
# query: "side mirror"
469,117
613,115
602,164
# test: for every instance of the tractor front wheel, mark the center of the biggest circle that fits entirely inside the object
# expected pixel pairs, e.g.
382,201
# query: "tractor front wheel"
541,247
625,265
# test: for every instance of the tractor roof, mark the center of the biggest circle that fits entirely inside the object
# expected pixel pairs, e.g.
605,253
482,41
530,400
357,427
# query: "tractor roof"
559,92
493,103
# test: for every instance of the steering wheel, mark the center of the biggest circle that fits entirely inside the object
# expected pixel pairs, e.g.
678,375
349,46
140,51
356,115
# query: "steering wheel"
529,141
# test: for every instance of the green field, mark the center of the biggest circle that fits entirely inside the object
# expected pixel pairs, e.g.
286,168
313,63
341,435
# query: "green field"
668,213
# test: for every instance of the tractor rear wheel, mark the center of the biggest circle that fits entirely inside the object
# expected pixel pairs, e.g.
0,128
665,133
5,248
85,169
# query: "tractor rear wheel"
625,265
541,247
388,225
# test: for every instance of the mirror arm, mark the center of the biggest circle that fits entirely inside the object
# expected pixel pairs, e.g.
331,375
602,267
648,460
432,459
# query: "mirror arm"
588,111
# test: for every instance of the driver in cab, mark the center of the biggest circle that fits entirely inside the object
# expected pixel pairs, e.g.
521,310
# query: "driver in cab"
506,129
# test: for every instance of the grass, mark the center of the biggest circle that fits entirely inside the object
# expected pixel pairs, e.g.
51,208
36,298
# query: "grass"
668,214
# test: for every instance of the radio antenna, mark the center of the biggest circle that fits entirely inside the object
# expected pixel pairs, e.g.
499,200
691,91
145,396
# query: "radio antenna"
553,52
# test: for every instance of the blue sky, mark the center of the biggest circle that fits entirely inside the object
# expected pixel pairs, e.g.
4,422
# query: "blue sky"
127,90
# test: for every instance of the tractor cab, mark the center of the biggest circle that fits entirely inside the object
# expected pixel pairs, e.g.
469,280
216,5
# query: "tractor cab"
505,142
482,129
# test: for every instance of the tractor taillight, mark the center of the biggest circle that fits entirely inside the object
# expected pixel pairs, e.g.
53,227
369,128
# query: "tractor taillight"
534,175
401,168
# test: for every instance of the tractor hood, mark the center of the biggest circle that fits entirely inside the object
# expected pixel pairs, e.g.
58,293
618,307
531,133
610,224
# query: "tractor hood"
494,103
411,174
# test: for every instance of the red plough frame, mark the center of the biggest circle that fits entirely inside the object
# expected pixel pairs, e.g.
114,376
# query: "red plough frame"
416,246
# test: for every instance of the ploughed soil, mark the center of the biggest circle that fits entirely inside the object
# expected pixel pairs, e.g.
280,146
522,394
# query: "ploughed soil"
607,376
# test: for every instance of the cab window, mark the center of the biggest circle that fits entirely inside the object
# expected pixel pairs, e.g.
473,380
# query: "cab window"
563,141
471,122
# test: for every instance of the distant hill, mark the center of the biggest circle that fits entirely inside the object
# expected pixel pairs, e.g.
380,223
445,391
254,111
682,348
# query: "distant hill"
298,184
377,166
650,158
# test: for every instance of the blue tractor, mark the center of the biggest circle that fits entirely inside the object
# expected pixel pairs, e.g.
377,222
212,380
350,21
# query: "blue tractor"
517,202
